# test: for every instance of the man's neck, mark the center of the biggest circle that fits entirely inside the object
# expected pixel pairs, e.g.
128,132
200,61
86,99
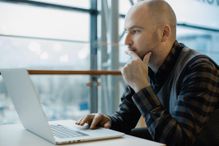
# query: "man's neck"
157,59
156,62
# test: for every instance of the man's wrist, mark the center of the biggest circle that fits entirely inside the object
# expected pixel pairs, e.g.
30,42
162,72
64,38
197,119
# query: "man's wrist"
146,99
139,88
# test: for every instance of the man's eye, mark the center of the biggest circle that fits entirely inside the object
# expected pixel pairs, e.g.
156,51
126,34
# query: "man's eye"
135,31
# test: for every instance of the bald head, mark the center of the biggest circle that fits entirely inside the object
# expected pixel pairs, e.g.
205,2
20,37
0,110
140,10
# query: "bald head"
158,12
162,12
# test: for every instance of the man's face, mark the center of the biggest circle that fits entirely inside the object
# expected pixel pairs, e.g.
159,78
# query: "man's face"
141,35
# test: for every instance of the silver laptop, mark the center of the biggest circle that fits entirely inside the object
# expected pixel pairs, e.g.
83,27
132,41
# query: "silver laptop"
29,109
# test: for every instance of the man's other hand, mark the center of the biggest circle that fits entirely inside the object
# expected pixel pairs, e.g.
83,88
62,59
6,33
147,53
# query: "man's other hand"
95,120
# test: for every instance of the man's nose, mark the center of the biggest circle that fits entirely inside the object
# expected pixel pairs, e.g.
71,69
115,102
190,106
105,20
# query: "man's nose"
128,40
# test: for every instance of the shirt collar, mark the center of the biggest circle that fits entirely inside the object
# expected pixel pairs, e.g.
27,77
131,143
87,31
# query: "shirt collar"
157,79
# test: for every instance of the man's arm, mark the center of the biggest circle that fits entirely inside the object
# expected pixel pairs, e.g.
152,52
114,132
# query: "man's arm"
123,120
197,99
128,114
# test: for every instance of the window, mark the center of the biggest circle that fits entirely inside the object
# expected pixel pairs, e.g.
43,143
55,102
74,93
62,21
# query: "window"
73,3
198,26
33,21
37,37
203,41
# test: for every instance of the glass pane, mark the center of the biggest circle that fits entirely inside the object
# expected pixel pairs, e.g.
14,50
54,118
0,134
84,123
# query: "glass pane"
197,12
110,91
62,97
24,20
123,57
68,48
124,5
38,54
74,3
205,42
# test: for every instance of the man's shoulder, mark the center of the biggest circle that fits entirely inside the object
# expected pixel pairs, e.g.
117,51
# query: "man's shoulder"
198,65
202,61
196,59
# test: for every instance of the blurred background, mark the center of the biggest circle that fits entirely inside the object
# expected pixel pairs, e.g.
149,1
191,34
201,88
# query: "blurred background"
84,35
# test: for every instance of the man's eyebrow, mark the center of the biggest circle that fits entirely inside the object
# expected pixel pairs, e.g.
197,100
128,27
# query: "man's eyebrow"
133,27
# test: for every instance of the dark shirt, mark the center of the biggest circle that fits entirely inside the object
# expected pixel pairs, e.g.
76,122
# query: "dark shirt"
197,93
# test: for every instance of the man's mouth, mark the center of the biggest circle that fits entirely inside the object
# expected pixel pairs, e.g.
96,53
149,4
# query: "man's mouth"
132,49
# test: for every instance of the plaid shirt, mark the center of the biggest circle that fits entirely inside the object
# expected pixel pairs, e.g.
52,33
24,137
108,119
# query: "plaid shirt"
198,98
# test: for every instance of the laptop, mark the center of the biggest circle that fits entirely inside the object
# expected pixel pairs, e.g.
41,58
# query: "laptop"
27,104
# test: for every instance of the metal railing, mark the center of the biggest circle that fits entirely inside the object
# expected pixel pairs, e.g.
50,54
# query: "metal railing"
74,72
92,84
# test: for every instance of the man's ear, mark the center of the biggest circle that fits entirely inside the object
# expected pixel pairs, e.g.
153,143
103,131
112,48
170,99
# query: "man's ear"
166,33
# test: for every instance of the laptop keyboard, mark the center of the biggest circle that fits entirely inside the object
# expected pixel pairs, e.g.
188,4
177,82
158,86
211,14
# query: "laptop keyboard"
63,132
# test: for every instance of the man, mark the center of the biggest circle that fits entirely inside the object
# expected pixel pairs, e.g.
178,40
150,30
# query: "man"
173,87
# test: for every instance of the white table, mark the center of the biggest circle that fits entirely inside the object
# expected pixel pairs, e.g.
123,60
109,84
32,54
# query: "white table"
16,135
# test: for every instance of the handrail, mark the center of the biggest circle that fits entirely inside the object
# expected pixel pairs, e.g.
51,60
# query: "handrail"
74,72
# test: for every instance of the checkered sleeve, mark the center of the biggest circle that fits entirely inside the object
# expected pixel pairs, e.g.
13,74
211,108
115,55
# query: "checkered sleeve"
197,99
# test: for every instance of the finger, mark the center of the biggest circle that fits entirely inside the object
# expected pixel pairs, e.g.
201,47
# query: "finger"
88,119
132,54
96,121
107,125
123,72
79,121
147,58
105,121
